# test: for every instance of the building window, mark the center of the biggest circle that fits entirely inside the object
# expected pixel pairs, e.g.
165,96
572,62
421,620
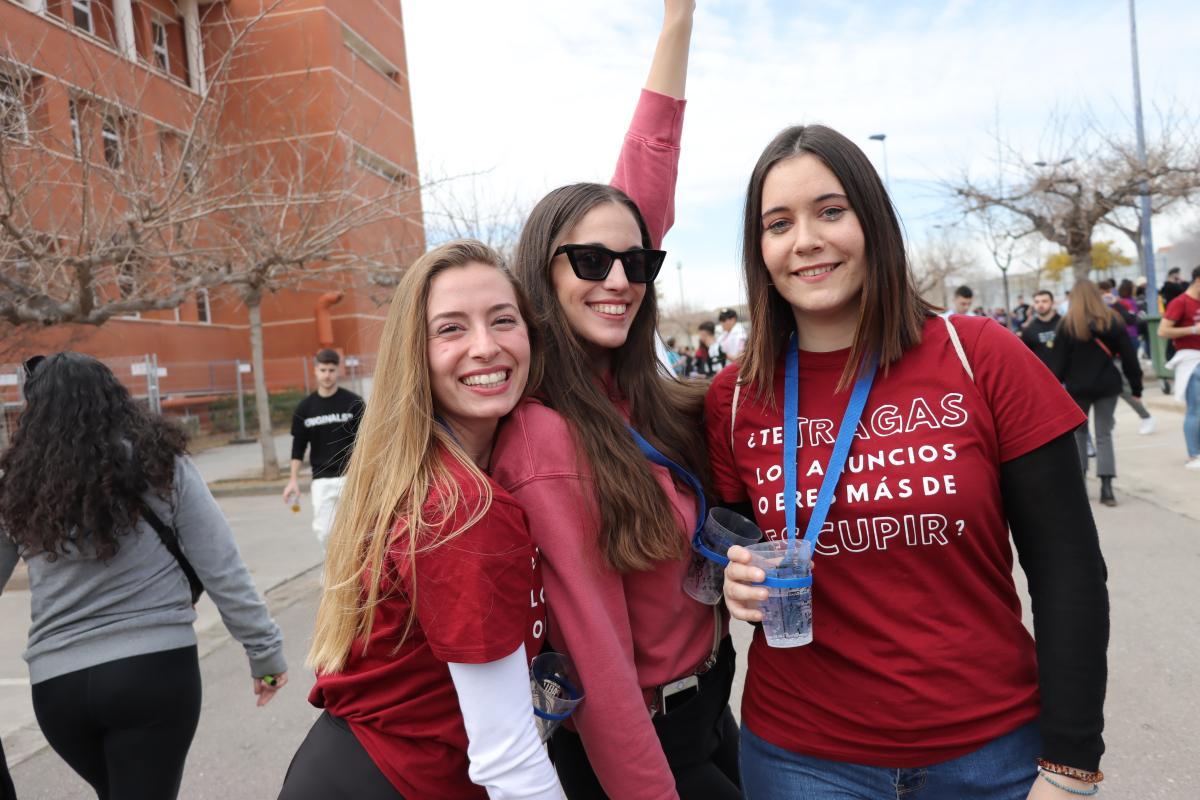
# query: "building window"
81,11
14,118
162,57
378,165
203,309
372,57
110,132
76,137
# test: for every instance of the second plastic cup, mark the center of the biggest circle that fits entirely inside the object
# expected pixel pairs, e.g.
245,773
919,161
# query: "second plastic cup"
787,612
722,529
556,691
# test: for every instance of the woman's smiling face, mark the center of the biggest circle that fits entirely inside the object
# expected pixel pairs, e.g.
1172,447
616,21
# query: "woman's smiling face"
600,313
812,242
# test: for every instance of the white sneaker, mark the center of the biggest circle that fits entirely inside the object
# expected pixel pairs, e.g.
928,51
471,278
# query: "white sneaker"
1193,464
1148,426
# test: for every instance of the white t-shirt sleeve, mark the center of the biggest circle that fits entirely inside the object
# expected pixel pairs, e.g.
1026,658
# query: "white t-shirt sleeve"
506,756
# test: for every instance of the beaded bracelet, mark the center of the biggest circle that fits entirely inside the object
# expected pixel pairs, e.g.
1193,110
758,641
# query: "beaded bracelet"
1095,789
1071,772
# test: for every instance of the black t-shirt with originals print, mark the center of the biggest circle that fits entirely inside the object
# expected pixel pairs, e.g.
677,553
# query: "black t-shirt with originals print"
328,425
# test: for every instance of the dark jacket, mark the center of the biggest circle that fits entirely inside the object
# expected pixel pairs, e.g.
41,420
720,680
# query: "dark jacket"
1087,370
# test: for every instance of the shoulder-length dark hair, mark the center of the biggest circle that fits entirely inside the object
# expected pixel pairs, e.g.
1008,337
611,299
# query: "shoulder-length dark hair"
82,455
891,311
638,527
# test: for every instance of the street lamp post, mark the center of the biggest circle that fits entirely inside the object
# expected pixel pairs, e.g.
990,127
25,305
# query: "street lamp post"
679,268
882,139
1147,236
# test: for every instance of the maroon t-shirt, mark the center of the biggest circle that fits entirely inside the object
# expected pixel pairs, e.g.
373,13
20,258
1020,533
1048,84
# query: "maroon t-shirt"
919,654
1184,312
478,596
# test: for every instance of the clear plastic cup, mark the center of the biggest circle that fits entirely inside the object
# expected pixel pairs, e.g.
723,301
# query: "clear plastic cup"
722,529
787,612
556,691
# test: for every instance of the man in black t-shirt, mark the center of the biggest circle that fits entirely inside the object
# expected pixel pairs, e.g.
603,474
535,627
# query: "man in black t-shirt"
325,423
1038,333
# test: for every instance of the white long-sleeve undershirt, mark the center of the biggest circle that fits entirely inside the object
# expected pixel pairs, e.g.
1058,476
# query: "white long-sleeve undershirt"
506,756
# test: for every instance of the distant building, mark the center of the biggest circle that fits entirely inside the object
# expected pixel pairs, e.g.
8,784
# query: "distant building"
340,63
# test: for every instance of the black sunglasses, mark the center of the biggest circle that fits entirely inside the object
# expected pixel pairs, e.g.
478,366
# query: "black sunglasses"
591,262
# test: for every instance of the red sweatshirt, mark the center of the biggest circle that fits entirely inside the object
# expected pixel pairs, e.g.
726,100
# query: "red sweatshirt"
625,632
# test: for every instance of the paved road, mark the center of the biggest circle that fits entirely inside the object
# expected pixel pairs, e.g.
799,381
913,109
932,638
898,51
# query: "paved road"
1151,542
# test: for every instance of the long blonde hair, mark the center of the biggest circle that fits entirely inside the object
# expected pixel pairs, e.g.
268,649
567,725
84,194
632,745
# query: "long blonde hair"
396,463
1086,312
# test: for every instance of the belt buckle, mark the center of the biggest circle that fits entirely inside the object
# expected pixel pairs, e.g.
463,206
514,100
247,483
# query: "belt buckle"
676,693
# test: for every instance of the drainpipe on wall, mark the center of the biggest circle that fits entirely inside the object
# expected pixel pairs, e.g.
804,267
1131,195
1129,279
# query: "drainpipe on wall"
324,320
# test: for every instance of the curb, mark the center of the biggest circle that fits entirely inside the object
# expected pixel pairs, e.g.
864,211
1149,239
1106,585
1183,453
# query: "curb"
250,488
26,741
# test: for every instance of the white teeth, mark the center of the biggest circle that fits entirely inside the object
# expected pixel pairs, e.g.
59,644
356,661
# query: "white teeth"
812,273
491,379
606,308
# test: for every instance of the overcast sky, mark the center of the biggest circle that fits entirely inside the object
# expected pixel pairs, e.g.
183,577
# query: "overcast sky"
537,93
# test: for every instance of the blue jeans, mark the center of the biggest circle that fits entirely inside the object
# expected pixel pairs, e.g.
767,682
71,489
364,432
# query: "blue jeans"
1191,417
1003,769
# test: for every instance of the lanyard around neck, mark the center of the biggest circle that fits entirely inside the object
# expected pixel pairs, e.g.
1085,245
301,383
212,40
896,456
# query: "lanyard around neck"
841,445
651,452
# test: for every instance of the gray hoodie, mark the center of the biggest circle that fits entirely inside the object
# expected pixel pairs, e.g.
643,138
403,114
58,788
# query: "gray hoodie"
87,612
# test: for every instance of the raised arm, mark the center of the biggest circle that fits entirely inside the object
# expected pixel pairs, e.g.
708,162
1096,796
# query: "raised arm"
668,70
648,166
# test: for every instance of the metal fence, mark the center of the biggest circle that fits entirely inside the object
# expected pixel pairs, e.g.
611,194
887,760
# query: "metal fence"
209,396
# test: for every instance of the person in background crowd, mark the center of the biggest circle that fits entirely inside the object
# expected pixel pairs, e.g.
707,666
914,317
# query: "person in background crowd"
1065,304
606,461
1181,325
1001,317
961,303
90,480
325,423
707,352
1172,287
892,698
432,609
732,339
1038,331
1126,306
1090,336
1020,313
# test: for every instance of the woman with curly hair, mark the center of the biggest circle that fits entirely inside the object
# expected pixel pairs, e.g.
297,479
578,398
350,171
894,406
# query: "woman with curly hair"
88,482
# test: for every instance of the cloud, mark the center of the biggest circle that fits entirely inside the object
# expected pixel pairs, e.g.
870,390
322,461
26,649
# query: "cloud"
538,93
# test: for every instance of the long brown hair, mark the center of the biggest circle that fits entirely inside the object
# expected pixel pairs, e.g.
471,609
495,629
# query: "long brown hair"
891,311
1087,312
637,524
396,462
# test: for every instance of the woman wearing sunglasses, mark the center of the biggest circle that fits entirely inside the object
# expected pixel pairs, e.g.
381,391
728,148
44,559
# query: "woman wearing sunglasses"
612,524
88,480
432,609
920,679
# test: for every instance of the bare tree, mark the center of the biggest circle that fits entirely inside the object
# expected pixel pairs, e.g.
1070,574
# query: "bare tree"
1093,177
941,259
461,208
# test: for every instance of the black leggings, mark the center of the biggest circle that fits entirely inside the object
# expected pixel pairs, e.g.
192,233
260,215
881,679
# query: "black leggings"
7,792
699,739
331,764
125,726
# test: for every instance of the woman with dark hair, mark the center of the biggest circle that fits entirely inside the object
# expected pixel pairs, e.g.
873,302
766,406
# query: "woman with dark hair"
1089,337
607,465
88,481
920,678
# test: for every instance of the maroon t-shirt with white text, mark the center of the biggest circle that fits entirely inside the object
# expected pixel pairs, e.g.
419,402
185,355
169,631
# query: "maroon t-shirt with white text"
919,654
478,596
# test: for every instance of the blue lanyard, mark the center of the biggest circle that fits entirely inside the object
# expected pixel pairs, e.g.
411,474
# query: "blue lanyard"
837,461
651,453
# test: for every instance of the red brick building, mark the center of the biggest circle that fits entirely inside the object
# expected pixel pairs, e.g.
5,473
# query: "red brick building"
340,64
